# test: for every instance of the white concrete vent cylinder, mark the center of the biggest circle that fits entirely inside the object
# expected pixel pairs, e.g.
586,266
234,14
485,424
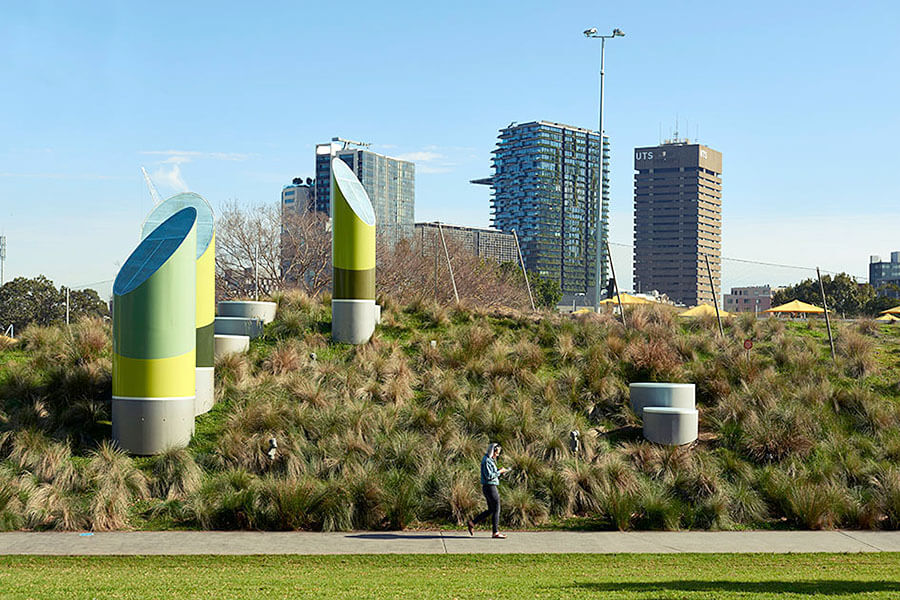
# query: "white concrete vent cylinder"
679,395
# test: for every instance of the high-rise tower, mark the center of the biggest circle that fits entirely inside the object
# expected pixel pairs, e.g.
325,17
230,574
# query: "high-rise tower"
389,182
544,188
678,220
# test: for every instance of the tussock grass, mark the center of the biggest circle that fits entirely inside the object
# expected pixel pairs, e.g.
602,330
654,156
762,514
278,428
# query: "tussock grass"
389,434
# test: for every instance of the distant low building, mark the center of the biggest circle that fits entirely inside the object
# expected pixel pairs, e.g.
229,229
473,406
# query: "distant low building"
883,272
481,241
755,298
299,196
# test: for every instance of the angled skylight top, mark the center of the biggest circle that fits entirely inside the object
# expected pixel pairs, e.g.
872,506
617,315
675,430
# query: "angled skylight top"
353,191
205,224
153,252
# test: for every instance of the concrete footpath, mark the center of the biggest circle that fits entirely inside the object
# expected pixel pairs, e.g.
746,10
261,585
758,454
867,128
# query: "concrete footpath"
443,542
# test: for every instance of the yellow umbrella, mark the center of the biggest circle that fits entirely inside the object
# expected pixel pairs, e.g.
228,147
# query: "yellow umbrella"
627,299
888,318
582,311
702,310
892,311
795,306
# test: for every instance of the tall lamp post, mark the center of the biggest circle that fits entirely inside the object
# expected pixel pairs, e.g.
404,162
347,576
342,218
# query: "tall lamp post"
599,283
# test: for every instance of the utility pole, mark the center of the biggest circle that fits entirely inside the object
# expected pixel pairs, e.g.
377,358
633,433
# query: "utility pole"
449,264
2,257
602,240
612,269
524,272
256,273
827,320
712,286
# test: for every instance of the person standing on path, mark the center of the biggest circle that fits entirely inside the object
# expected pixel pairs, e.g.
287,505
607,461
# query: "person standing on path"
490,480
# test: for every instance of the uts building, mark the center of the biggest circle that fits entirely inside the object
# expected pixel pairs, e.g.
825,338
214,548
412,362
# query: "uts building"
678,220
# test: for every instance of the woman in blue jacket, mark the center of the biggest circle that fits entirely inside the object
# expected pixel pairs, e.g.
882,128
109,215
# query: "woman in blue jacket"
490,479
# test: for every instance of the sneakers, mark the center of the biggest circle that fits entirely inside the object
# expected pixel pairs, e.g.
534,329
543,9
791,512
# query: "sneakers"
471,527
499,536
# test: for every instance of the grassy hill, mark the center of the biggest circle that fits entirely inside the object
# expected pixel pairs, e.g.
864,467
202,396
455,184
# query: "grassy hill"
389,435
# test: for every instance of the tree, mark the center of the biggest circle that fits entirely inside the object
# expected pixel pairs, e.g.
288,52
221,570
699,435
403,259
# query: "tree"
24,301
843,293
280,249
547,292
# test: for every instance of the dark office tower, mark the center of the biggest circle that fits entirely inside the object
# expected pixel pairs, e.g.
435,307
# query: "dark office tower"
678,220
545,188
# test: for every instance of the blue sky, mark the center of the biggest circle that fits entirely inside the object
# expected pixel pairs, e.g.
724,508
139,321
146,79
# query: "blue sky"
229,99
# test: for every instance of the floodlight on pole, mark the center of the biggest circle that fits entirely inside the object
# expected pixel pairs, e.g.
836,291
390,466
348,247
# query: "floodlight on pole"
599,280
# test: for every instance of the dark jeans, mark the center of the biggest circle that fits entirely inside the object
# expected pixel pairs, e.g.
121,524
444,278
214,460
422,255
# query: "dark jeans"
493,510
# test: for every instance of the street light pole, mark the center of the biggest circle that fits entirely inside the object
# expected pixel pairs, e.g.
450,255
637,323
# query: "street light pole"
599,281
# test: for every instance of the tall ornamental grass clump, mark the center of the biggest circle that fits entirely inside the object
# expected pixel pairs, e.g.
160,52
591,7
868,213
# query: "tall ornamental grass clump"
389,434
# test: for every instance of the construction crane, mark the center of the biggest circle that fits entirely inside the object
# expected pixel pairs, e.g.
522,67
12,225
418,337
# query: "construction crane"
348,143
153,193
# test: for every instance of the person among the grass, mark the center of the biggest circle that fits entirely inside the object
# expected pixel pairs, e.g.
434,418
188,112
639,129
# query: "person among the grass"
490,480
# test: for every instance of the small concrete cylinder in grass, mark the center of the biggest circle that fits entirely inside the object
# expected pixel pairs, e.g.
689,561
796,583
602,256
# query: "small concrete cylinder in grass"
353,258
155,339
249,309
252,328
231,344
681,395
671,426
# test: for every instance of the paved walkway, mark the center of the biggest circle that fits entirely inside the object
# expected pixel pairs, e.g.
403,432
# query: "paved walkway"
443,542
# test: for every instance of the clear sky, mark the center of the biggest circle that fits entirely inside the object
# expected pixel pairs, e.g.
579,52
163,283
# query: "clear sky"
229,99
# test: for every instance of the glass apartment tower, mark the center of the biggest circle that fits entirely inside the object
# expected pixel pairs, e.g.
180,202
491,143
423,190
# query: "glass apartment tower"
390,183
545,188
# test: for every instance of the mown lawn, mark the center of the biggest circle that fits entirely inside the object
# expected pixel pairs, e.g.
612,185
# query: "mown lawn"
685,576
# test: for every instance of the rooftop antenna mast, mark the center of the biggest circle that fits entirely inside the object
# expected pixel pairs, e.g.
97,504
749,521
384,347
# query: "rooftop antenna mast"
348,143
153,193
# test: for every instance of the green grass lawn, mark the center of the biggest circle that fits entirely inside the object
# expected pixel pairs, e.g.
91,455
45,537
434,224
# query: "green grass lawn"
685,576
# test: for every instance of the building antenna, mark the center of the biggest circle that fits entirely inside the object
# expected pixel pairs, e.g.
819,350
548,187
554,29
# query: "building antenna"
676,127
153,193
697,132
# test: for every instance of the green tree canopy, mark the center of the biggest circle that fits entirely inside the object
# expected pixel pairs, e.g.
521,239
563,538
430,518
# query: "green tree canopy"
24,301
546,292
844,295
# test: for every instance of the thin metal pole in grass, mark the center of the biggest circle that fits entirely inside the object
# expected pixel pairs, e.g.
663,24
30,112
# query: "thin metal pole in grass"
450,266
524,272
715,300
612,271
827,320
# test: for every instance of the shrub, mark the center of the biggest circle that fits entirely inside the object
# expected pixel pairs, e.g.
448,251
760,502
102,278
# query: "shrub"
53,506
402,499
778,434
858,351
652,359
887,496
175,475
45,460
816,505
227,500
745,505
521,509
115,485
12,508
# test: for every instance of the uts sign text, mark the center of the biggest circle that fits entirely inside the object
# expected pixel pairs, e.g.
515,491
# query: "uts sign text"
644,155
